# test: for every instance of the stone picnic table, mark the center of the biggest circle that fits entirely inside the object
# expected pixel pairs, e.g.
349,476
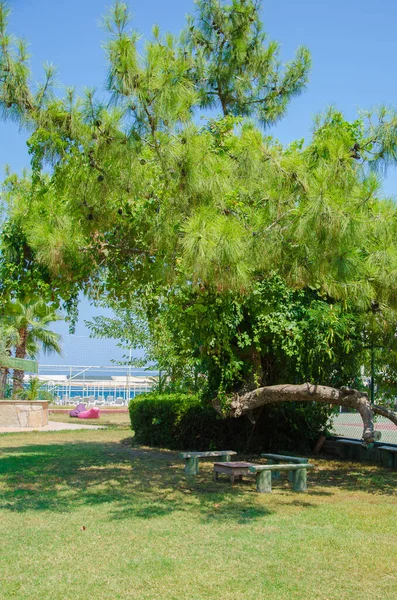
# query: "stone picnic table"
234,470
295,466
192,459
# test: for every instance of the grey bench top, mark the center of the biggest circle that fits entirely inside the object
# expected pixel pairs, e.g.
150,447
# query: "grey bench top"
290,467
232,465
387,449
283,457
204,454
351,442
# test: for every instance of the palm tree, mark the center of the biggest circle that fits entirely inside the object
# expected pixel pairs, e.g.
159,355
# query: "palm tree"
35,391
31,320
8,339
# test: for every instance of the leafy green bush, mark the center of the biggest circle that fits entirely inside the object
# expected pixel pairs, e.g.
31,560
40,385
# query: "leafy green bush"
186,422
171,420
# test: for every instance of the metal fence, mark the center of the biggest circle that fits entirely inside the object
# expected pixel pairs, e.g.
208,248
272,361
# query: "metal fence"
350,425
95,385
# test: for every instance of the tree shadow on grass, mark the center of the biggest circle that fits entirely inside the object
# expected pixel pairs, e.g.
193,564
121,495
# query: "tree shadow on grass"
332,474
353,477
126,482
147,483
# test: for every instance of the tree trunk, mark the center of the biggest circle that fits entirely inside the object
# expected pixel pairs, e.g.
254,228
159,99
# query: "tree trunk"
3,380
308,392
20,353
4,372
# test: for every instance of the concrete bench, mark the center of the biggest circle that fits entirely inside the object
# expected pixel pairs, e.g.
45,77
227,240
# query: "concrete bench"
264,476
192,459
391,455
275,459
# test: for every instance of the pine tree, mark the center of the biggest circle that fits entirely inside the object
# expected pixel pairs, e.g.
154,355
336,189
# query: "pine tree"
141,198
236,67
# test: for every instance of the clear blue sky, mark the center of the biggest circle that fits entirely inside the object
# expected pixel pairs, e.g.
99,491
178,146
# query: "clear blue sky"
353,45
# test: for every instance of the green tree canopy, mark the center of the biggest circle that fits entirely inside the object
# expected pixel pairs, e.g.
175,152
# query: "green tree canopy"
234,65
140,193
145,201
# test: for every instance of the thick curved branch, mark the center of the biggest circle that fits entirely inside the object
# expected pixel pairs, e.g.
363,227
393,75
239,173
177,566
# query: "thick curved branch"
385,412
307,392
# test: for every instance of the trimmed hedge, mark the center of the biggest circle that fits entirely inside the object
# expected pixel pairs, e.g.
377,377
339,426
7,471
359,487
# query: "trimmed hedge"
177,421
186,422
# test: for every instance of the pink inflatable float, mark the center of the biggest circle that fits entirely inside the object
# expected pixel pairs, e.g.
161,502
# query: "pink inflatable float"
92,413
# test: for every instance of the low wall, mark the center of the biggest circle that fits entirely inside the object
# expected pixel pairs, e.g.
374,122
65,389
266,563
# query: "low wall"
15,413
355,451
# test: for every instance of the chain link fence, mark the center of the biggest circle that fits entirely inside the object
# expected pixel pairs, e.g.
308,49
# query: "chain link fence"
350,425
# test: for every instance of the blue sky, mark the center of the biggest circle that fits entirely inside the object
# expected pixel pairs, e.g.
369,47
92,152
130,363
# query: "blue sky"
353,45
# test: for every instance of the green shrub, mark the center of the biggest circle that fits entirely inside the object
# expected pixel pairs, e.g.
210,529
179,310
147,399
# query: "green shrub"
186,422
172,420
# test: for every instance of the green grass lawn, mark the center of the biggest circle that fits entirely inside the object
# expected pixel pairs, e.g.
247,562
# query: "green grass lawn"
85,515
120,420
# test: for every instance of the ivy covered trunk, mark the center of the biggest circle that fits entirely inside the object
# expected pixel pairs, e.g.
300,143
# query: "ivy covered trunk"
307,392
20,353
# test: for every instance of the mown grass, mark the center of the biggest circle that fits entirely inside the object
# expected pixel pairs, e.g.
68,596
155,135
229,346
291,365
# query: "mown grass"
119,420
85,515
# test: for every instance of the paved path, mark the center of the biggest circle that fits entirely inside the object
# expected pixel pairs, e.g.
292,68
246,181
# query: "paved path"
52,426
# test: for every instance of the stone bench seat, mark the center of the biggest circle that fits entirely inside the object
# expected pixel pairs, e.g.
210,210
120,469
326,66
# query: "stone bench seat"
282,457
192,459
264,475
274,459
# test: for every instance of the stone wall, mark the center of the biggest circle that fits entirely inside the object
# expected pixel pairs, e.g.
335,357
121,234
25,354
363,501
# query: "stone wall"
355,451
15,413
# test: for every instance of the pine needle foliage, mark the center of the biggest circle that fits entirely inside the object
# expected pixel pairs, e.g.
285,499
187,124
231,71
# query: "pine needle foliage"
143,199
236,67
